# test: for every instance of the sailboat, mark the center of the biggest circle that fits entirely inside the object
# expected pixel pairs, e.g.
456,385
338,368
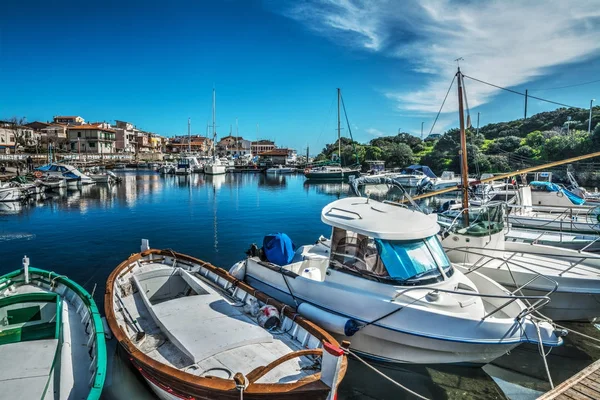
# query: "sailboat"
570,278
333,172
214,166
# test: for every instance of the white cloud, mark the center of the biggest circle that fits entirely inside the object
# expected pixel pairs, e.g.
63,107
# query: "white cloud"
375,132
506,42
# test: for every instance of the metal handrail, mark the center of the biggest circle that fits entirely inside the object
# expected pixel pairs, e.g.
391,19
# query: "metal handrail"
347,211
507,262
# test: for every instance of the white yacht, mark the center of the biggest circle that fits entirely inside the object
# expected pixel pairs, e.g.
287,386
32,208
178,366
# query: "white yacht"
571,278
384,281
71,174
183,166
279,169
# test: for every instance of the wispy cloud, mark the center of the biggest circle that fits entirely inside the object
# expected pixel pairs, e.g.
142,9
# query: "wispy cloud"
507,42
374,132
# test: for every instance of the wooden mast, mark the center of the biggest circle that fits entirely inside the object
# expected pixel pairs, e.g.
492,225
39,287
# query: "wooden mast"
339,129
463,152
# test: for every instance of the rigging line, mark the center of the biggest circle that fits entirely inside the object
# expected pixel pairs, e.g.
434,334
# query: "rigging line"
565,87
442,106
522,94
349,130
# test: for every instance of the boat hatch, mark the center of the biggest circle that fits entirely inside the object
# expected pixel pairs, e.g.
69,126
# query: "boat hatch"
412,262
164,285
29,316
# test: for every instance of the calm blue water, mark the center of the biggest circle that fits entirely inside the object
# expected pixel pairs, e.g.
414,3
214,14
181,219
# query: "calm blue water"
86,233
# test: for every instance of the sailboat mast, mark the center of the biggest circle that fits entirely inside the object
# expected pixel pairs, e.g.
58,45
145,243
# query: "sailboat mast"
214,112
189,136
463,151
339,129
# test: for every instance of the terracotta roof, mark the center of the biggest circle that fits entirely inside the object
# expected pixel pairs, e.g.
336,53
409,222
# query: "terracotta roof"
274,152
62,116
89,127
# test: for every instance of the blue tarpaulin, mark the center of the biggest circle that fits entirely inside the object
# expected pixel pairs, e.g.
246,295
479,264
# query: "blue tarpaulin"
278,248
553,187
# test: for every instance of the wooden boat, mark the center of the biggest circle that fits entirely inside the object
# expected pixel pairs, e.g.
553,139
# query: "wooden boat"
52,338
186,328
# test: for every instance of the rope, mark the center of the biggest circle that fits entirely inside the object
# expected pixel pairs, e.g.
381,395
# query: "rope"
543,353
288,286
442,106
387,377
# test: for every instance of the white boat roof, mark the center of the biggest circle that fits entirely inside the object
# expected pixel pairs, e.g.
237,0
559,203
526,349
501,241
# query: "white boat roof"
379,220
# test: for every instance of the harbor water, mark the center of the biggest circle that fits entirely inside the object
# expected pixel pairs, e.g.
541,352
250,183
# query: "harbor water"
85,233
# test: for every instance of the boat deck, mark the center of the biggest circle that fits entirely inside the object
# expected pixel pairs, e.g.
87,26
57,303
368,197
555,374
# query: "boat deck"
582,386
207,335
26,369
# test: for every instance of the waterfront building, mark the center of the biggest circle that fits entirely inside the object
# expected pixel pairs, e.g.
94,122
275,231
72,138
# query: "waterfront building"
235,146
274,156
181,144
7,137
125,137
97,139
69,120
55,131
261,146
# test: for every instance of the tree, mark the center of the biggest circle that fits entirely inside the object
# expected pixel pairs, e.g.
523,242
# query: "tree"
15,125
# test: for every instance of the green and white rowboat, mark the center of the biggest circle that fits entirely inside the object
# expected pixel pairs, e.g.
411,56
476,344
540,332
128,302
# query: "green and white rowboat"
51,338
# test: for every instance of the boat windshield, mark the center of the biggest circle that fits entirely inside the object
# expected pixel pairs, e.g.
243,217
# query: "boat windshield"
413,260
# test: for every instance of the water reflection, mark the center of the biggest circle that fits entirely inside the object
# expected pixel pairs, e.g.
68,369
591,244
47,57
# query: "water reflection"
328,188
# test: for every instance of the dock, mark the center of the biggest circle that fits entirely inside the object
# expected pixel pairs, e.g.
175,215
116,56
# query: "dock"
584,385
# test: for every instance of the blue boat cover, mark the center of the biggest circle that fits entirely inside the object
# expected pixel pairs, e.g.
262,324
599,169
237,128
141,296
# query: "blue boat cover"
278,248
423,168
44,167
553,187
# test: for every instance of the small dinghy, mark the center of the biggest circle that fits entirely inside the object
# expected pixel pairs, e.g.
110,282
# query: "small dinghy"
52,338
195,331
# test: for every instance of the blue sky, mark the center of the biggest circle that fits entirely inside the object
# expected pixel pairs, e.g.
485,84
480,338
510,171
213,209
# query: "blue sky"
277,63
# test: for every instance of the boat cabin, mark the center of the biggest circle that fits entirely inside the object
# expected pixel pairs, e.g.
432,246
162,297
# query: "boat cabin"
385,242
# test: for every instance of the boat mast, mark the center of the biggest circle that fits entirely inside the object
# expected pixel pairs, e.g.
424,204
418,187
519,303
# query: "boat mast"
189,136
339,128
463,151
214,111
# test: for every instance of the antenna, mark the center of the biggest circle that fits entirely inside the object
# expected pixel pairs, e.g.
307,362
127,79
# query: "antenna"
458,60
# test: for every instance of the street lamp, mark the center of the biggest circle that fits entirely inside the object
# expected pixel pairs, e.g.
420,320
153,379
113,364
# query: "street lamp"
590,123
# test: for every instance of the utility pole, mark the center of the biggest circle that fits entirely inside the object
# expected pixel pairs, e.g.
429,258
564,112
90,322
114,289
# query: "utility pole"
526,95
590,123
463,151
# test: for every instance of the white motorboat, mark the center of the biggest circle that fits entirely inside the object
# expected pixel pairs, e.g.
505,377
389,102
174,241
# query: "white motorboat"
53,182
571,278
571,241
279,169
12,191
384,281
183,166
214,167
447,180
195,165
167,168
71,174
418,176
52,344
194,331
104,177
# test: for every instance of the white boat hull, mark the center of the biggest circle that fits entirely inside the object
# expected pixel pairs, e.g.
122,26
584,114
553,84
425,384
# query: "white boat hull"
11,194
212,169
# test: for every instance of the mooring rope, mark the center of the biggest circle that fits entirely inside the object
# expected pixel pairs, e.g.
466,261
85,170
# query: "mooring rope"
387,377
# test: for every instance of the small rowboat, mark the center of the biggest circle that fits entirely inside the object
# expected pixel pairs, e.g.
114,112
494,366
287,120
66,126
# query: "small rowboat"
52,338
191,330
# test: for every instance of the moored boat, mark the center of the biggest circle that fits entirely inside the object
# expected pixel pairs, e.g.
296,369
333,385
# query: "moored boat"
52,342
71,174
384,281
191,330
280,169
11,191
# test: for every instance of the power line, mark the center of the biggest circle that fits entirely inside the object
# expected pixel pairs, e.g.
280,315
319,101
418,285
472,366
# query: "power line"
443,102
568,86
522,94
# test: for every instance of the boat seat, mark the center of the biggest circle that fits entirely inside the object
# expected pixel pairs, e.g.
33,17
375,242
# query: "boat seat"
25,369
204,325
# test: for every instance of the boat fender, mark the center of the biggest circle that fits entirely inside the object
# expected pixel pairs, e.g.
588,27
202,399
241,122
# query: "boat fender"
331,322
238,270
251,307
268,317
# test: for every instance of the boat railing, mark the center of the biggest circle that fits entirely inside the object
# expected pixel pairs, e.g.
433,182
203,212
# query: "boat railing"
533,303
485,259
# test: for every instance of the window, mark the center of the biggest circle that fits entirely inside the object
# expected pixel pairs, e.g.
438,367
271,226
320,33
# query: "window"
414,260
92,144
78,134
